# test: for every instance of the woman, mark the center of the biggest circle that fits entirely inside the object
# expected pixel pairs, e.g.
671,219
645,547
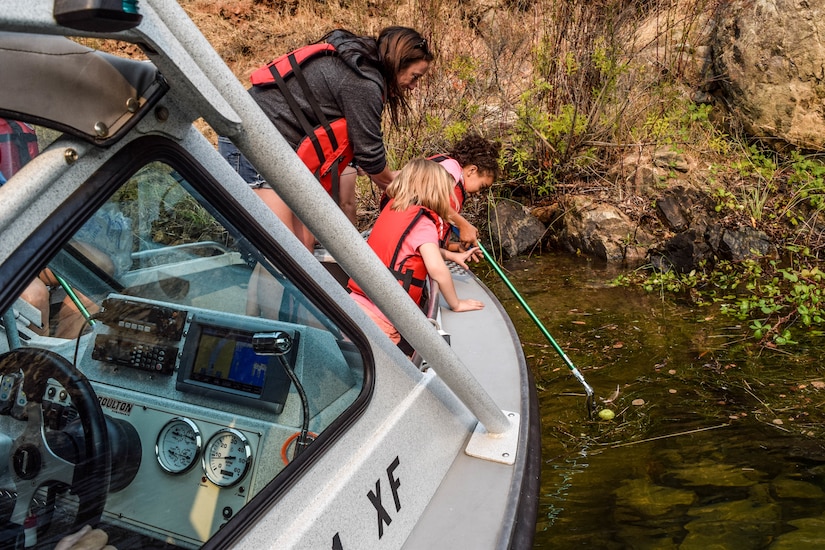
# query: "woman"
347,78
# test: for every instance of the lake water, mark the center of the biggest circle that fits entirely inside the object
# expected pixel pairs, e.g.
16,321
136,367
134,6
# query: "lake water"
716,443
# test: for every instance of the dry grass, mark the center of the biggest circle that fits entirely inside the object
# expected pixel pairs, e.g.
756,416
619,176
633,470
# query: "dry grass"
622,66
488,54
483,57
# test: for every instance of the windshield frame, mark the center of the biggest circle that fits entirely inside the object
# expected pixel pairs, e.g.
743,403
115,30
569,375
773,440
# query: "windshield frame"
67,218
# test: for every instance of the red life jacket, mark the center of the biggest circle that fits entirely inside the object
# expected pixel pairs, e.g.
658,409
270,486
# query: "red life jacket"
388,234
18,145
326,149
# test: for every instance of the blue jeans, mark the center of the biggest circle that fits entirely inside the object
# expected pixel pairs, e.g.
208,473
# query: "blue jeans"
240,163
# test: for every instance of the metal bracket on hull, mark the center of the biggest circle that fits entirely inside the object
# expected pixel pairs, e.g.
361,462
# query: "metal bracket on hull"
496,447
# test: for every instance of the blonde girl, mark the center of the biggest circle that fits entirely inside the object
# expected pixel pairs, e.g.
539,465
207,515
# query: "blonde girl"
406,238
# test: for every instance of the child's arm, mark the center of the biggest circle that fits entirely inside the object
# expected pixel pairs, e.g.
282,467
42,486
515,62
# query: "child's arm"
467,233
440,273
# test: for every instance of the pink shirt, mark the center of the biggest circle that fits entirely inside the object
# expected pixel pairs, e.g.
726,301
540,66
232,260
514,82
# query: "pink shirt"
454,168
423,232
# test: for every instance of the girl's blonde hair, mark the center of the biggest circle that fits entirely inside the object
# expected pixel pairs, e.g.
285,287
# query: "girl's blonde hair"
423,182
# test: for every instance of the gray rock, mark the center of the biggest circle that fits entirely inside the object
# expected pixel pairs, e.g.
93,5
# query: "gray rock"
681,207
744,243
768,59
681,253
602,231
513,230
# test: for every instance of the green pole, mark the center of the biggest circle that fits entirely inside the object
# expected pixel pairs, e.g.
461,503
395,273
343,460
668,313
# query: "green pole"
74,297
588,390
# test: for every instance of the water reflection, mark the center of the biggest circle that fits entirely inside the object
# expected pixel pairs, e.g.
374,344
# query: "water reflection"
715,443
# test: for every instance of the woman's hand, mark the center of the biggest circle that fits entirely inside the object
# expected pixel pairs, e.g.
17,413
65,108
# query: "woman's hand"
384,178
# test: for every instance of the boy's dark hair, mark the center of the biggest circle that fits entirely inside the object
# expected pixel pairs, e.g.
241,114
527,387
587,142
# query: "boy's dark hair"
474,149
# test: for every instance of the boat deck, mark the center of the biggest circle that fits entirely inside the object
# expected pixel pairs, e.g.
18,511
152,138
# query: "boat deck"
448,522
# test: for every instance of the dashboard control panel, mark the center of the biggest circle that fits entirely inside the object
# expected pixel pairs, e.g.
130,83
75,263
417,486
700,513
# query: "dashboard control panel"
140,335
134,353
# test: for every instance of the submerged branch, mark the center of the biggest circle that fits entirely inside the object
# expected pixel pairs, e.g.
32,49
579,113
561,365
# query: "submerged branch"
669,435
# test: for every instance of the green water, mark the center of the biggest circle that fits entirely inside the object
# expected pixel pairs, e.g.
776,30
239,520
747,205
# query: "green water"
716,443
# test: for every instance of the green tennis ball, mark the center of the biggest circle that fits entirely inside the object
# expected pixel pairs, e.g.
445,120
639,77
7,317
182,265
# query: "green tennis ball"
606,414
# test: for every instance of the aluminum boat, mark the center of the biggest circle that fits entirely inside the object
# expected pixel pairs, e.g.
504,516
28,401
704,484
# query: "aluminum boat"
139,395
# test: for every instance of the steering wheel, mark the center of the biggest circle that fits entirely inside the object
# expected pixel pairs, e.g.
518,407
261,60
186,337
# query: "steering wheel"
32,463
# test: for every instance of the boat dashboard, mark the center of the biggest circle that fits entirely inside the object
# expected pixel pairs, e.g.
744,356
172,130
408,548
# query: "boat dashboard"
200,408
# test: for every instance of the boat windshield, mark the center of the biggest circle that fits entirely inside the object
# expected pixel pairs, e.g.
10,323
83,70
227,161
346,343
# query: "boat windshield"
213,366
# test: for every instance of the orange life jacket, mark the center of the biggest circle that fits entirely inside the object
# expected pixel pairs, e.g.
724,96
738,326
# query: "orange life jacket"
388,234
326,149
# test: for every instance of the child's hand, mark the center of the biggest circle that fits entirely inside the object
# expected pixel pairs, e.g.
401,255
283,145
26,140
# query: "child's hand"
473,255
462,257
468,305
468,235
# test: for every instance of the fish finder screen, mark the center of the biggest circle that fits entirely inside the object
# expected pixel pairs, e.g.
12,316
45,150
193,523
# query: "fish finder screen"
226,359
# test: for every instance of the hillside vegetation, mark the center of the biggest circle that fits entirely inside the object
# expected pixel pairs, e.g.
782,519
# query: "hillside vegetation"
572,90
568,87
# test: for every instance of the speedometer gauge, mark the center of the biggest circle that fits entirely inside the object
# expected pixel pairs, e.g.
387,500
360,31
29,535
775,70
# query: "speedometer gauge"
178,445
227,457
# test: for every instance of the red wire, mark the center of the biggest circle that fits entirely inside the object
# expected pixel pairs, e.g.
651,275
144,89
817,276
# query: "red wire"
288,442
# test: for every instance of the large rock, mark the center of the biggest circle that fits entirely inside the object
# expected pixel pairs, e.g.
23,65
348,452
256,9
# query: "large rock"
741,243
644,173
681,207
682,253
768,59
602,231
687,250
513,230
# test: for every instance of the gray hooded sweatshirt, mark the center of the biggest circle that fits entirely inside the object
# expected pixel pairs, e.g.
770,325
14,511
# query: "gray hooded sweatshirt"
348,85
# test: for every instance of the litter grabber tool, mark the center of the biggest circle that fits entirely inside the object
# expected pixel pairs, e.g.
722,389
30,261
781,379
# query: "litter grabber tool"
591,401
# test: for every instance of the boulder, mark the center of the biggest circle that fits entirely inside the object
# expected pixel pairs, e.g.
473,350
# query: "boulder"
680,207
602,231
741,243
645,173
768,61
681,253
513,230
686,250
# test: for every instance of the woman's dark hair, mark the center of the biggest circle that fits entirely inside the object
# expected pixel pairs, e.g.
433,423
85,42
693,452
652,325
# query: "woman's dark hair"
395,49
398,48
474,149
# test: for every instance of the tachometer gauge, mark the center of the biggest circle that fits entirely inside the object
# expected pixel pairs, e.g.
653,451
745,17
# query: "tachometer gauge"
178,445
227,457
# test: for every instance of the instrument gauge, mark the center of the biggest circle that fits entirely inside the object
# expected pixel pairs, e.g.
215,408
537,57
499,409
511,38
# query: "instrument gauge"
227,457
178,446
